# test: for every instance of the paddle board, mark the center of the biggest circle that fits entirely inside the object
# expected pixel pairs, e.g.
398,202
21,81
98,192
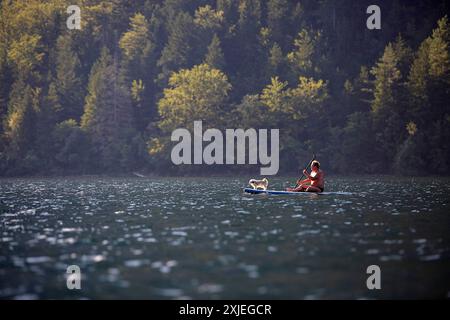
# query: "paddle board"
254,191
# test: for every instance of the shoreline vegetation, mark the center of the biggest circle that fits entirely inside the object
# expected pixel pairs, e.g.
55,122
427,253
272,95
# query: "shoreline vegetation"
288,177
105,99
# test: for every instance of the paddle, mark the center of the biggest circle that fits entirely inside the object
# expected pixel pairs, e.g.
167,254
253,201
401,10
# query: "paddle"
307,166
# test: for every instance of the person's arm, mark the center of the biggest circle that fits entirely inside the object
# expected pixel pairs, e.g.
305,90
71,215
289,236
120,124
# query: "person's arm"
303,181
310,178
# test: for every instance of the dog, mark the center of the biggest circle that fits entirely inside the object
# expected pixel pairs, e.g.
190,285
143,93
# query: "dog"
259,184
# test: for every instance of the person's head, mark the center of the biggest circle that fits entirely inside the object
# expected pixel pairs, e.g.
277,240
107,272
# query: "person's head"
315,165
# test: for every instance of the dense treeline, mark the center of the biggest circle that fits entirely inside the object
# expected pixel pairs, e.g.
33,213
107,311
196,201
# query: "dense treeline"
106,98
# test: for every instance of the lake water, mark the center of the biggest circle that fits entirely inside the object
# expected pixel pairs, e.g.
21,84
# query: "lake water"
203,238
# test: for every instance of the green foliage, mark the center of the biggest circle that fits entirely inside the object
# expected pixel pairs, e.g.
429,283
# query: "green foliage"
25,54
108,113
276,60
297,111
308,98
439,50
106,98
387,76
137,87
72,147
358,140
215,58
412,158
275,96
277,12
197,93
208,18
178,52
136,43
306,48
68,85
94,86
252,112
300,102
418,75
19,126
391,99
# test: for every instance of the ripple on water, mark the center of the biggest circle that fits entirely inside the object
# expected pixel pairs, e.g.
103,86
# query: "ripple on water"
131,232
42,259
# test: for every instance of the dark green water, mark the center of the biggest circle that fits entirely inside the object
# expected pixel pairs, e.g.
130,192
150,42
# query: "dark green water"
203,238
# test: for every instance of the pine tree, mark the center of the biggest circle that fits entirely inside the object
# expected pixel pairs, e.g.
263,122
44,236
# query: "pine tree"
108,113
71,147
136,43
249,17
439,70
276,60
6,82
139,66
95,85
26,55
20,128
390,103
439,51
304,59
209,19
178,51
418,83
215,58
277,11
429,77
67,83
357,144
387,76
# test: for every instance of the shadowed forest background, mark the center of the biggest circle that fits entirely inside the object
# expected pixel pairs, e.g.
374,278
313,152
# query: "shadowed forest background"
106,98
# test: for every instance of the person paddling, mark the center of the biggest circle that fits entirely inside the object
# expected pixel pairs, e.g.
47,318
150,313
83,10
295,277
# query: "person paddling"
314,182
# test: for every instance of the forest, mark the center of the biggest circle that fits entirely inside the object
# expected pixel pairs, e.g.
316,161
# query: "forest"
105,99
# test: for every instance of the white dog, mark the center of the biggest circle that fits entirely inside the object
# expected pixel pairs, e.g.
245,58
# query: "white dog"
259,184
